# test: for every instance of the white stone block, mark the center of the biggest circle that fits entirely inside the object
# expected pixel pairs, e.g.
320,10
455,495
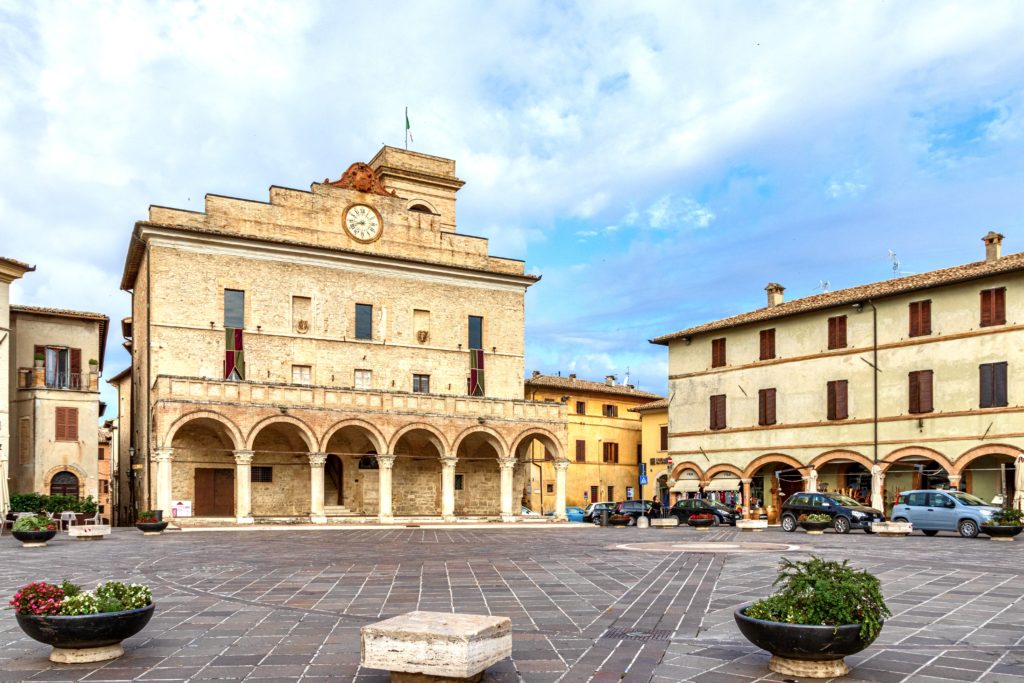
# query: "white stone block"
892,528
437,643
666,522
89,532
751,524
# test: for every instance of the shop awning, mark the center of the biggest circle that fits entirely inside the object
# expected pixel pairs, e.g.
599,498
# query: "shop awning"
686,486
723,484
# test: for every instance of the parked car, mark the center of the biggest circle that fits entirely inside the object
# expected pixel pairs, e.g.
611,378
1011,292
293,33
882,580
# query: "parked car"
527,512
593,511
846,513
721,514
572,513
935,511
628,511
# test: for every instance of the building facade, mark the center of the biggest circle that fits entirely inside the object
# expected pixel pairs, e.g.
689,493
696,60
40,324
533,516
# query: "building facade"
654,440
10,270
871,390
341,352
604,440
56,360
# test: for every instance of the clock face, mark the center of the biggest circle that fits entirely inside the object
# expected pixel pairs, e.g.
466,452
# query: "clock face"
362,222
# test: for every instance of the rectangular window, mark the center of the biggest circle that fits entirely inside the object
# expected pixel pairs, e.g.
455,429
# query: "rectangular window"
364,321
581,450
66,420
476,332
611,493
581,407
459,481
993,307
766,407
593,494
100,455
993,385
421,384
921,391
610,410
718,352
62,367
610,452
362,379
663,438
920,318
767,344
837,332
302,374
234,308
838,407
550,488
718,411
104,486
261,474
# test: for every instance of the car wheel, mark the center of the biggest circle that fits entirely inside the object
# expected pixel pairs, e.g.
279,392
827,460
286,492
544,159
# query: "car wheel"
968,528
631,521
788,523
715,521
929,532
841,525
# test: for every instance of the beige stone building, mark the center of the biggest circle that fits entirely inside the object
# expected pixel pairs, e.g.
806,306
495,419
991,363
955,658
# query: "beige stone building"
10,270
787,398
604,440
341,352
654,438
124,484
56,359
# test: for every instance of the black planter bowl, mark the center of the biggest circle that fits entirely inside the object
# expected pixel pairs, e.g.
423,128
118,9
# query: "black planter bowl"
86,638
1002,532
34,539
815,526
700,523
799,650
151,527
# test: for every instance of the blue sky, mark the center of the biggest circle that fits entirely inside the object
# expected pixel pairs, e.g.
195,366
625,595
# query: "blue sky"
657,163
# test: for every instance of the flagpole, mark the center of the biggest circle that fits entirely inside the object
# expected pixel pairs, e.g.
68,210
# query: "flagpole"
407,129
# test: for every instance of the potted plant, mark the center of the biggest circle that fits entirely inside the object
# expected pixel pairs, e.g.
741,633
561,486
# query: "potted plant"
1003,525
815,524
83,626
149,523
823,612
701,521
34,531
93,365
39,358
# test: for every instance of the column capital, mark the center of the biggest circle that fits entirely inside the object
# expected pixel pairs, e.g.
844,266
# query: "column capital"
244,457
954,479
449,461
317,459
748,482
507,463
812,473
385,460
561,465
163,454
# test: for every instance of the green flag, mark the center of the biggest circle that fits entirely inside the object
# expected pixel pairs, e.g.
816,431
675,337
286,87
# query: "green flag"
408,129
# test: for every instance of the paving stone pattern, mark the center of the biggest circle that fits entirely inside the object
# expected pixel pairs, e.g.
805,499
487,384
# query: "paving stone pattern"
287,604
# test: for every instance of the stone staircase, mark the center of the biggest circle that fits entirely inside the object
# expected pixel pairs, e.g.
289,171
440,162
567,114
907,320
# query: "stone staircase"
337,511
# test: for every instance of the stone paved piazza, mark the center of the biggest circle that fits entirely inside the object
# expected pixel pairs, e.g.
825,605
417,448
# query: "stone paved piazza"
286,604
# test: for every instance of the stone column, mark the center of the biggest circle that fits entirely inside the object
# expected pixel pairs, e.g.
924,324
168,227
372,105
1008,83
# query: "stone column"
561,466
877,488
746,497
508,466
243,486
162,458
812,481
448,488
386,464
954,481
316,488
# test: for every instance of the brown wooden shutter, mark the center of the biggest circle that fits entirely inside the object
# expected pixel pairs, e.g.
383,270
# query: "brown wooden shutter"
75,380
767,344
915,392
999,306
842,405
72,424
59,422
581,451
771,407
925,317
766,407
999,384
924,384
830,410
664,437
837,332
831,333
985,374
718,411
718,352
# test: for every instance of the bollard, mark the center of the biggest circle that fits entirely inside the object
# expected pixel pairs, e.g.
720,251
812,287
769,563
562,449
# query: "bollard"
642,522
604,517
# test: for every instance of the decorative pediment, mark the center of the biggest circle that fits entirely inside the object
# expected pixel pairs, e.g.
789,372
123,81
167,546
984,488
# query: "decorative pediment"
361,178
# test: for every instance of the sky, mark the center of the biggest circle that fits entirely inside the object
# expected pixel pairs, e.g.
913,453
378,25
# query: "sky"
658,163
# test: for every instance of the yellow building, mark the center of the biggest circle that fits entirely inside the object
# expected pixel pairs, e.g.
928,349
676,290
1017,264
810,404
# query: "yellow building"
787,398
654,437
604,440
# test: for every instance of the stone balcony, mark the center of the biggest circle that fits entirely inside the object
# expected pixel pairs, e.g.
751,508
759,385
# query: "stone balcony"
334,398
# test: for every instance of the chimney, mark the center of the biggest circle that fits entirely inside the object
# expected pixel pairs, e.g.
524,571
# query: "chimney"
572,375
609,380
536,373
993,246
775,291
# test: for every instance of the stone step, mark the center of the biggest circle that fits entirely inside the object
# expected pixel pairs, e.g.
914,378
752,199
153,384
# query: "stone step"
336,510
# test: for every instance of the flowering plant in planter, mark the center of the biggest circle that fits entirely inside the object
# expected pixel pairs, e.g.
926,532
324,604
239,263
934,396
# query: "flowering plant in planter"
69,600
702,515
1005,517
38,598
817,517
147,517
34,523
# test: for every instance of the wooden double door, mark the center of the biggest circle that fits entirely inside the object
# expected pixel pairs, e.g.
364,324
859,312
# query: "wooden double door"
215,492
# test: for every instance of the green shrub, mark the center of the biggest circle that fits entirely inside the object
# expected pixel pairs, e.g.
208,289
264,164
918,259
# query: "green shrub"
37,502
816,517
130,596
34,523
1007,517
28,502
77,605
819,592
70,589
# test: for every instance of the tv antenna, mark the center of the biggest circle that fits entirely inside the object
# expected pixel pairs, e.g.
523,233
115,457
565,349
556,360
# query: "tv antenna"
823,285
896,272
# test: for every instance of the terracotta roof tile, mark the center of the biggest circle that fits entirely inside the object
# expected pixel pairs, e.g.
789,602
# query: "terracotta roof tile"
876,290
661,404
61,312
575,384
16,262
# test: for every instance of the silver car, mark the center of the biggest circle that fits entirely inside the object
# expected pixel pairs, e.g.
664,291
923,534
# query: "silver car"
935,511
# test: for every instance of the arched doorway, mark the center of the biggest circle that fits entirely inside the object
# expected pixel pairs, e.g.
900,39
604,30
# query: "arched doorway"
990,473
203,468
912,469
533,478
334,476
478,475
416,477
351,472
774,478
847,473
64,484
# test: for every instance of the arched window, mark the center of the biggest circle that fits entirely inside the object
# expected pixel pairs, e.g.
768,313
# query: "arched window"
420,208
64,484
368,462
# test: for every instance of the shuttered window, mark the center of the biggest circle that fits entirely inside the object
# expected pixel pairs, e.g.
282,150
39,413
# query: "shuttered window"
718,411
993,385
476,332
66,424
993,307
364,321
663,438
718,352
610,410
921,391
837,332
610,452
766,407
581,407
920,318
767,344
581,450
838,405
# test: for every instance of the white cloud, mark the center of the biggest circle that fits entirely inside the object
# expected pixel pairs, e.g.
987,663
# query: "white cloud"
670,212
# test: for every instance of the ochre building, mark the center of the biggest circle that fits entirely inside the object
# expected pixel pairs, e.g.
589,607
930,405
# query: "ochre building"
786,398
338,353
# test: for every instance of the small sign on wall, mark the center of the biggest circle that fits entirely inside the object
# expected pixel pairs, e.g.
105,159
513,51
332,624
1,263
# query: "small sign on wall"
182,508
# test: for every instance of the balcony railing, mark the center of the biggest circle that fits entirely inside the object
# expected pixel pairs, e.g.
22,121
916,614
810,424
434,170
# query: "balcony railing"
71,381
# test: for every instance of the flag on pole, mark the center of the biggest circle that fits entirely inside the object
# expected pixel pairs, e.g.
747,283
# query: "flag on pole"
408,129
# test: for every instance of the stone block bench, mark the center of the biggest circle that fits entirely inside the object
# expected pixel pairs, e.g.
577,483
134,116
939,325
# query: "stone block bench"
430,647
666,522
91,532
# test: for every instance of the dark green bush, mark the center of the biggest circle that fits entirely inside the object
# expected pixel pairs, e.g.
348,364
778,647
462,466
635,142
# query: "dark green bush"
35,523
819,592
37,502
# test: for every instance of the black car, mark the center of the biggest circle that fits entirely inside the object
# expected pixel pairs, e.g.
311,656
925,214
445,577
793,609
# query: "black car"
592,513
846,513
627,512
720,514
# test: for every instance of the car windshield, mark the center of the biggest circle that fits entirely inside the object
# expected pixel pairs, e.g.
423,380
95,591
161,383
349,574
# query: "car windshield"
966,498
718,506
845,500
